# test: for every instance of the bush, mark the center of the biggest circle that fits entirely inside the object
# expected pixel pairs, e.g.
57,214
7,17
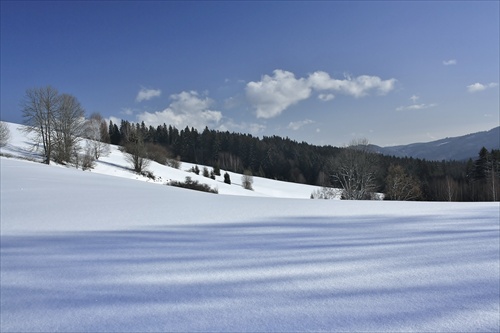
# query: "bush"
174,162
195,170
194,185
247,180
88,160
324,193
156,153
148,174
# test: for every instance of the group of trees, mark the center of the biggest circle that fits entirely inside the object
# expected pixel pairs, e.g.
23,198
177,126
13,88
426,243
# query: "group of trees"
355,168
55,119
58,123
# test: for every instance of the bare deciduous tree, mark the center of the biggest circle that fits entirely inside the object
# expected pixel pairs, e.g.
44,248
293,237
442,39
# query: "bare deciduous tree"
68,127
94,131
4,134
136,152
55,120
39,109
354,169
401,186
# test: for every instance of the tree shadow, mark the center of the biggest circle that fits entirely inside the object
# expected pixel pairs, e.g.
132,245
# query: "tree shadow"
295,274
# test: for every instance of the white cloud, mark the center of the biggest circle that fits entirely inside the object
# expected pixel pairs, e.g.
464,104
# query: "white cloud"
186,109
146,94
449,62
326,97
414,98
273,94
416,107
356,87
295,125
480,87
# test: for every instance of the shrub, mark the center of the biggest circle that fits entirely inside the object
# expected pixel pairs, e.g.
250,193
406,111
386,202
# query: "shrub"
247,180
195,169
324,193
148,174
194,185
174,162
156,153
88,160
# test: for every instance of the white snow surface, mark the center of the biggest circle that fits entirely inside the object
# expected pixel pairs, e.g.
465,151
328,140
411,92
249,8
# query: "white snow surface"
88,252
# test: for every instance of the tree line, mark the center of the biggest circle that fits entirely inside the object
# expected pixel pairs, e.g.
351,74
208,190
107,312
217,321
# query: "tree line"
356,169
57,123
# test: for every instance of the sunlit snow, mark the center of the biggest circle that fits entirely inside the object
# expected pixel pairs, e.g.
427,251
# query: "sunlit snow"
87,251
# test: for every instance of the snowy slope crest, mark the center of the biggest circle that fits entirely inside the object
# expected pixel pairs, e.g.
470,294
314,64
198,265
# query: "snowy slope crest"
115,164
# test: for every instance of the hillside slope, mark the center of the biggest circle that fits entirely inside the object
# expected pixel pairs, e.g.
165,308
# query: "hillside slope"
115,164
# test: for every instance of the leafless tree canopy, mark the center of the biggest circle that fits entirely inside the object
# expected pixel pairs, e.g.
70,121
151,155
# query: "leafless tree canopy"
54,120
354,169
95,129
39,109
68,127
136,152
4,134
401,186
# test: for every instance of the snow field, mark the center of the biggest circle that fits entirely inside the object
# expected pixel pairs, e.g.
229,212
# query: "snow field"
87,252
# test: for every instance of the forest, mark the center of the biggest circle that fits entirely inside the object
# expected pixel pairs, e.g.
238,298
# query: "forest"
355,169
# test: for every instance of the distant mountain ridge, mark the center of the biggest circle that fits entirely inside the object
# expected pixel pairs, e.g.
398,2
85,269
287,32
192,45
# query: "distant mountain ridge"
456,148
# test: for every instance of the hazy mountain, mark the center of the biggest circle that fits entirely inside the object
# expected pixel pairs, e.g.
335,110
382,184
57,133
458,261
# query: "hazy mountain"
456,148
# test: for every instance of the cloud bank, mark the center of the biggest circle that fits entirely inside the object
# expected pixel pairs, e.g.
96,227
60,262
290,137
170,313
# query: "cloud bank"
146,94
186,109
273,94
480,87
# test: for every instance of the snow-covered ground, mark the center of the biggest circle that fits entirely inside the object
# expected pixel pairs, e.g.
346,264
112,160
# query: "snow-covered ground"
115,164
84,251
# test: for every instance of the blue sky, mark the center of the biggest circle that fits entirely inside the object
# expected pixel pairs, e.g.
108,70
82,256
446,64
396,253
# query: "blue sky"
322,72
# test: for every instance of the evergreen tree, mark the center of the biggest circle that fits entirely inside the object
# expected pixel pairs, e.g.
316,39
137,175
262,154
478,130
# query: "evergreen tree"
114,134
216,169
227,179
205,172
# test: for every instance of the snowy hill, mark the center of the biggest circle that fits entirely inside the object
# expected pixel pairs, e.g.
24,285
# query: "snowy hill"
115,164
456,148
87,252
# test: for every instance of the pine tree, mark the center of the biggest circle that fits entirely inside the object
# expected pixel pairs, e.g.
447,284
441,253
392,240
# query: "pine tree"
227,179
217,169
205,172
